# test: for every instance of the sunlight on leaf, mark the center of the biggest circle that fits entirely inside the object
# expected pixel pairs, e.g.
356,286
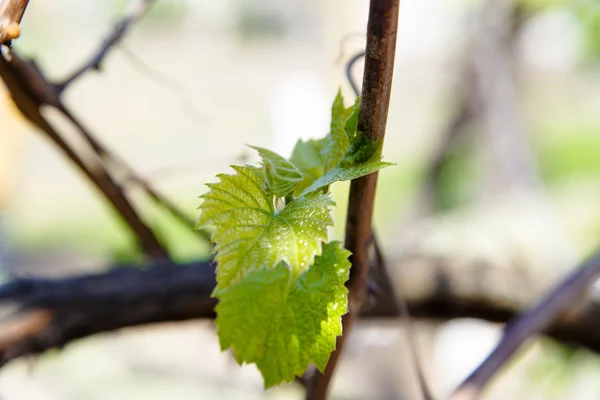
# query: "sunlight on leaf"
281,175
281,290
282,324
250,234
309,158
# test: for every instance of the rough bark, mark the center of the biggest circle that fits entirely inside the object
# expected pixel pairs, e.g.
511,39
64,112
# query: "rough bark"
40,314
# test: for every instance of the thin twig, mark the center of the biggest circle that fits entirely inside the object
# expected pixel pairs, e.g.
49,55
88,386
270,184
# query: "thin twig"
30,90
109,158
403,313
48,94
343,42
177,87
377,85
564,299
349,76
137,9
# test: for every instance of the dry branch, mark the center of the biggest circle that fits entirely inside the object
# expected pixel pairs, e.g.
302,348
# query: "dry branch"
136,10
41,314
30,90
561,303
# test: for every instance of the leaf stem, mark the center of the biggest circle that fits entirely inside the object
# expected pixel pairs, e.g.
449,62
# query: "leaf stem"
377,85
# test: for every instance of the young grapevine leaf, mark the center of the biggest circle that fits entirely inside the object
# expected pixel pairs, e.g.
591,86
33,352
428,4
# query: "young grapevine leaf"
315,157
337,141
281,175
362,156
281,290
250,233
281,323
309,157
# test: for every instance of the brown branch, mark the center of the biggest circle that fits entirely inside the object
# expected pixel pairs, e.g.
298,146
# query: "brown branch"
382,268
377,86
45,314
110,159
30,91
51,313
29,85
136,10
11,13
566,299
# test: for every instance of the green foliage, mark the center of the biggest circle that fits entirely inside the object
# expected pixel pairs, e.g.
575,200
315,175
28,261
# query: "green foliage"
286,323
359,157
282,176
310,158
316,157
337,142
250,233
280,288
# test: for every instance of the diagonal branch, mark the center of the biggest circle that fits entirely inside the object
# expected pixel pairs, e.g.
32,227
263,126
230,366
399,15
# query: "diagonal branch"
52,313
566,299
109,159
137,9
377,86
30,91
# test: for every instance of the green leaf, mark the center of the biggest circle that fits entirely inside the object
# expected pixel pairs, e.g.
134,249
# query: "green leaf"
250,233
281,176
340,174
282,324
361,150
337,141
310,160
362,158
315,157
351,125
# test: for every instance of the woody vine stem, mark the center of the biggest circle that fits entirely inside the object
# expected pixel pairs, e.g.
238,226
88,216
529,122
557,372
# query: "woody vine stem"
376,89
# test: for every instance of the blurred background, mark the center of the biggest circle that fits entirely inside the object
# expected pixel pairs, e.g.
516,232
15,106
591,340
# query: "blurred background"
494,126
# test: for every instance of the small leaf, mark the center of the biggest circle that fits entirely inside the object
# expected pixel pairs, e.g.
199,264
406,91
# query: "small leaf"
337,141
250,233
281,176
310,160
340,174
316,157
282,324
362,158
351,124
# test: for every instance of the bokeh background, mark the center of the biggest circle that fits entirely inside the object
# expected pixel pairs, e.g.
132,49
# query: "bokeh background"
195,80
